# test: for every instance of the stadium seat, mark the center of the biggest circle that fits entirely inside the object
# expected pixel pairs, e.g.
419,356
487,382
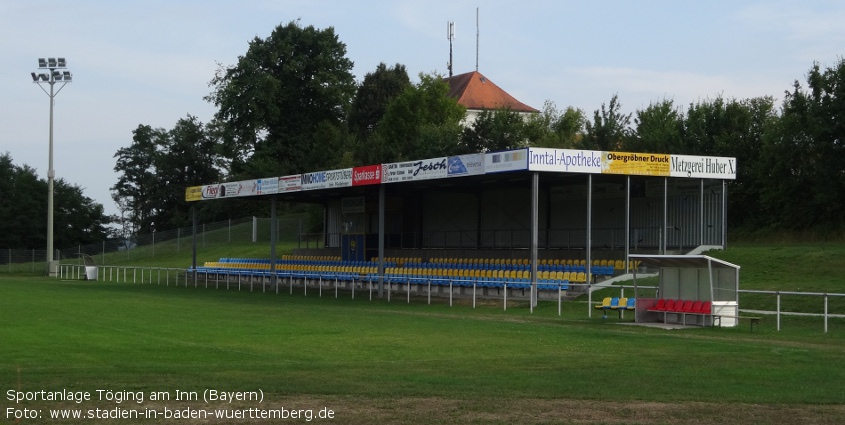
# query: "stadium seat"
620,305
605,303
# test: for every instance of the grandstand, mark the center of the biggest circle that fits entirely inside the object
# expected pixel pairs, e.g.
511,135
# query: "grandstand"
529,219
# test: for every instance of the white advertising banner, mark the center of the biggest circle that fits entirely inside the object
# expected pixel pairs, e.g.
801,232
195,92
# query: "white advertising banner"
326,179
564,160
702,167
498,162
290,183
434,168
259,187
465,165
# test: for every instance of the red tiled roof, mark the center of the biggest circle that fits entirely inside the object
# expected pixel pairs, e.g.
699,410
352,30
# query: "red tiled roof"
475,91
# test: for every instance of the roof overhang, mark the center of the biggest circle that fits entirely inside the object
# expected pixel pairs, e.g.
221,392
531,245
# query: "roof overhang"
683,261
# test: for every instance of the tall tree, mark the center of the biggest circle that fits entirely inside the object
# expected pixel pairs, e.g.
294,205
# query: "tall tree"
805,177
422,122
496,131
658,128
554,129
377,90
137,182
272,101
188,156
609,128
23,212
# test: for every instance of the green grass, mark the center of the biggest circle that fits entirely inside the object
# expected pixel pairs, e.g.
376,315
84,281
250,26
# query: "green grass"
385,363
87,336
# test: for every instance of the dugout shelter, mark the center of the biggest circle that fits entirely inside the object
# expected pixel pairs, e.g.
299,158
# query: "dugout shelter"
688,280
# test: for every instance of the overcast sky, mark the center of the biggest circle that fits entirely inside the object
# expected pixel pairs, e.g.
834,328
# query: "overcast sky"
149,62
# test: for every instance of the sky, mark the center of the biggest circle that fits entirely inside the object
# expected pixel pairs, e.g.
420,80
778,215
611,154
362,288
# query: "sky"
150,62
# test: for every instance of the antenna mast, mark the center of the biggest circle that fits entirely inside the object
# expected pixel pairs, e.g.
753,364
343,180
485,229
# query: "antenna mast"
450,35
476,39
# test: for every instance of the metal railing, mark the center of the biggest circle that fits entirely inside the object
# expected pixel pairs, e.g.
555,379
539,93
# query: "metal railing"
778,312
463,288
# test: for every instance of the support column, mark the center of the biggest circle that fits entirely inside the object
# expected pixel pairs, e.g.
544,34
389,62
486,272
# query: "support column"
724,215
194,241
663,231
274,231
627,222
701,215
381,219
589,271
535,200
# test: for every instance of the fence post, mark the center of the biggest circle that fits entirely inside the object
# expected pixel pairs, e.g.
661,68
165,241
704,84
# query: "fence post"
778,310
825,312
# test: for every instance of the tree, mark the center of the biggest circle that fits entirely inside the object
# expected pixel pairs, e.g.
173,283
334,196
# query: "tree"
155,170
377,90
284,87
137,183
659,129
609,128
495,131
422,122
802,174
23,212
188,156
553,129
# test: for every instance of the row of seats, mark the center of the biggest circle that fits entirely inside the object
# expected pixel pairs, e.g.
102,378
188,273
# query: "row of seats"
681,309
445,277
617,303
264,264
682,306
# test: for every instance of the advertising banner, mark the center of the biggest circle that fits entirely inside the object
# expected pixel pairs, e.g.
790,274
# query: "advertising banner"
434,168
193,193
465,165
231,190
498,162
312,181
267,186
339,178
259,187
326,179
640,164
702,167
370,174
211,191
290,183
564,160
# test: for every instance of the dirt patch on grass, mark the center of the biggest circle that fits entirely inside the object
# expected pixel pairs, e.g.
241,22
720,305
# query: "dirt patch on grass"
541,411
434,410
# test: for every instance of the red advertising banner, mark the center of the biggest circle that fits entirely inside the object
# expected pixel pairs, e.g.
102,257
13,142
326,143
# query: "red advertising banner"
370,174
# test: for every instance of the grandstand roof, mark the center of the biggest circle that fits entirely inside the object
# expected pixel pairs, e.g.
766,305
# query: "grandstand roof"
474,91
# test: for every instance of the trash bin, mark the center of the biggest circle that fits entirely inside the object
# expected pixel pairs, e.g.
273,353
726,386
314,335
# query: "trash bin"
91,272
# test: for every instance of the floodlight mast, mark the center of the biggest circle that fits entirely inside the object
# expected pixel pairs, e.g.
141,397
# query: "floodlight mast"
51,78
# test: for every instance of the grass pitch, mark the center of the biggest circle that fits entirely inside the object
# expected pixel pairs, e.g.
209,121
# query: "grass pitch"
373,362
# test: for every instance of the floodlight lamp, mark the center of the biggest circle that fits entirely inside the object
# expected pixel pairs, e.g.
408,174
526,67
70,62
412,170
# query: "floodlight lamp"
42,63
51,62
62,63
57,75
67,76
40,77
